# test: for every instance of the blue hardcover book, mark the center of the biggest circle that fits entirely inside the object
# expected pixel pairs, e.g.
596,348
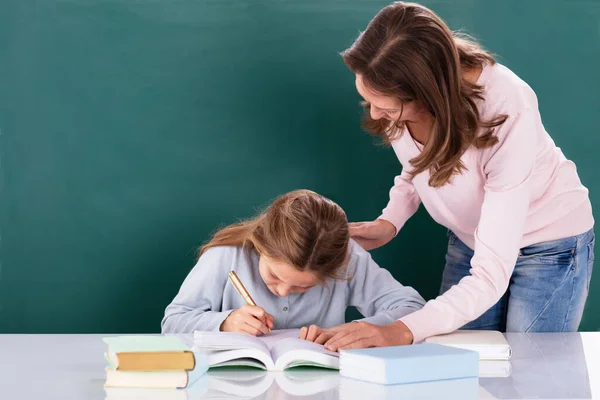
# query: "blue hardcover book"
409,364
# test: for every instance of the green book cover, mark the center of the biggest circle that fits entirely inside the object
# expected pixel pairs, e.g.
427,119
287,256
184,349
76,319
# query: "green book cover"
138,344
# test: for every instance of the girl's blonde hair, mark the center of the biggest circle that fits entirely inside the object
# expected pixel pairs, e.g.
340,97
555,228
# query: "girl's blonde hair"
300,228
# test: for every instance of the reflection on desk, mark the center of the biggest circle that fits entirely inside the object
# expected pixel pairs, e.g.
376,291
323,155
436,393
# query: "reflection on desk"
239,383
544,366
245,383
315,382
495,368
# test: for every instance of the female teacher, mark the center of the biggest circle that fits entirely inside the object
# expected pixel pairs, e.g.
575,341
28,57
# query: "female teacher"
474,151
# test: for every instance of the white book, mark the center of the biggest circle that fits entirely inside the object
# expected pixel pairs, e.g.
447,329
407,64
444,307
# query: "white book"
151,379
491,345
276,351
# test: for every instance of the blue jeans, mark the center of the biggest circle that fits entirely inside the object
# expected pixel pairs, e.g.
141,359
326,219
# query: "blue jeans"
547,290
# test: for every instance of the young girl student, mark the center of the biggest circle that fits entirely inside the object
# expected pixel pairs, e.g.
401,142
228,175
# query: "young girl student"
299,265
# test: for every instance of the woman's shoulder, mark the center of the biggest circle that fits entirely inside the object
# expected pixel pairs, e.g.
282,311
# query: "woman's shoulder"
505,92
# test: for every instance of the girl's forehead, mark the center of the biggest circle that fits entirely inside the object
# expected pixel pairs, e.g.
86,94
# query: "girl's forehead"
289,274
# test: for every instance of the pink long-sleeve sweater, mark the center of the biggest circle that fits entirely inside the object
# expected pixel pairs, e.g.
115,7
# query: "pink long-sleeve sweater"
519,192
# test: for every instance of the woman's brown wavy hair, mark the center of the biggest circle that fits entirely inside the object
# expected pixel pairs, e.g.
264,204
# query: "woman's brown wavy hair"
407,52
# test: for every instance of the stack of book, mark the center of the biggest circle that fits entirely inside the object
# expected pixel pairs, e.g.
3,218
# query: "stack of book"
464,354
492,346
157,362
424,362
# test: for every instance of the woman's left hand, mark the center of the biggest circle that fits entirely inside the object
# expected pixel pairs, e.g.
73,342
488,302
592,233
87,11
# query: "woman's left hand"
356,335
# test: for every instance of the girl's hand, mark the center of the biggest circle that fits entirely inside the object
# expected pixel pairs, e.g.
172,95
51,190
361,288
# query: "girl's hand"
371,235
319,335
248,319
314,334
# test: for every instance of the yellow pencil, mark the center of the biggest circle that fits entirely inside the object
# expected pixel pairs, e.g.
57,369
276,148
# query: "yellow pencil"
239,286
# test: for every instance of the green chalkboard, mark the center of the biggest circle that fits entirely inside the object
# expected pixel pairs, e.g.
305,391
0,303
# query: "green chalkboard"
130,130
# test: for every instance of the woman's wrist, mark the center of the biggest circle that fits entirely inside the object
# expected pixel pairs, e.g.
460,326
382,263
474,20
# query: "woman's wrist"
382,218
402,335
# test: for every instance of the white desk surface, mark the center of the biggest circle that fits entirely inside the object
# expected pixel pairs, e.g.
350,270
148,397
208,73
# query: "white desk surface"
543,366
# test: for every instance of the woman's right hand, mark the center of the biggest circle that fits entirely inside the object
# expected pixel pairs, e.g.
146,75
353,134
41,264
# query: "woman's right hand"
248,319
371,235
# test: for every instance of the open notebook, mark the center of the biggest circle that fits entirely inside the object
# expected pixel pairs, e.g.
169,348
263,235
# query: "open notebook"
277,351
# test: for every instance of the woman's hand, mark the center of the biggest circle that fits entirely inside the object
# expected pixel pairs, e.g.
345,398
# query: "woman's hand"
371,235
319,335
248,319
356,335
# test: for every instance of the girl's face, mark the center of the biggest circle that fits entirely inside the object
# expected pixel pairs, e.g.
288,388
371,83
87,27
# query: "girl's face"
283,279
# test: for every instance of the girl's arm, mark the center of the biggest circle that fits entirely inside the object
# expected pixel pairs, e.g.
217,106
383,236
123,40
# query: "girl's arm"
375,292
197,306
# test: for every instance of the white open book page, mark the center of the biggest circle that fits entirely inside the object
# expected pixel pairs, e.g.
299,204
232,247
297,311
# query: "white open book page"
277,336
234,340
277,350
295,352
230,348
227,341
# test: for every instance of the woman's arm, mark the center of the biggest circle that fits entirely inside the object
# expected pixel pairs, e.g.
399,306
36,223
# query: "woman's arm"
404,202
498,235
197,306
375,293
508,169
